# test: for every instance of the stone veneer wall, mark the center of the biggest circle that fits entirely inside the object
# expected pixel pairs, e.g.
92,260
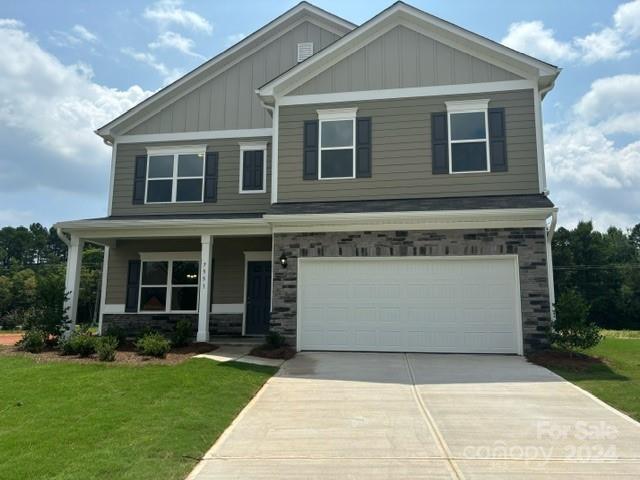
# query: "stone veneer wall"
527,243
135,323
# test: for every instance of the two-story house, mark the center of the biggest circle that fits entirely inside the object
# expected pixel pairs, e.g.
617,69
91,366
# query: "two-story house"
377,188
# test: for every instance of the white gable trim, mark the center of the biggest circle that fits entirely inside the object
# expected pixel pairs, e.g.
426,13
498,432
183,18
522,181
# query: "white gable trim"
389,93
332,23
404,15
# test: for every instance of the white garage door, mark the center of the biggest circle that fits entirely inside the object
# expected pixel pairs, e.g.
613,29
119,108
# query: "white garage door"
413,304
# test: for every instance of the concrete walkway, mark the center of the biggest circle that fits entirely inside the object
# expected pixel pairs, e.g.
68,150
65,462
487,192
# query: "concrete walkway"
414,416
239,353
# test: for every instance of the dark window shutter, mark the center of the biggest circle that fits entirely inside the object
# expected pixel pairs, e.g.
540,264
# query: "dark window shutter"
139,180
133,282
211,178
439,144
363,147
497,140
310,150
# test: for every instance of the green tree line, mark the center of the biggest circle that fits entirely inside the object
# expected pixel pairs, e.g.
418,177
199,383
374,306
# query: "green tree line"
32,264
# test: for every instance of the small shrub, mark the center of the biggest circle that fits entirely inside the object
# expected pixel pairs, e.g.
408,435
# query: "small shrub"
80,342
275,340
117,332
182,335
572,330
106,348
153,345
33,341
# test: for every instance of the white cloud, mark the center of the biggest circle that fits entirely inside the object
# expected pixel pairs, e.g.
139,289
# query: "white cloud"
10,23
170,12
169,74
48,114
175,41
84,33
608,43
590,175
234,38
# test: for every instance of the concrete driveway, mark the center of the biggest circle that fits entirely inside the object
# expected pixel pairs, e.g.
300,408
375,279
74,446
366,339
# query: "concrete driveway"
420,416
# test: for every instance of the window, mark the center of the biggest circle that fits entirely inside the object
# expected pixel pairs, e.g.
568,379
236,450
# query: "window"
468,136
337,130
253,167
305,50
175,175
169,285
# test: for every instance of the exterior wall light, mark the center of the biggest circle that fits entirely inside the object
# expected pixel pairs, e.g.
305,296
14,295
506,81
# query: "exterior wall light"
283,260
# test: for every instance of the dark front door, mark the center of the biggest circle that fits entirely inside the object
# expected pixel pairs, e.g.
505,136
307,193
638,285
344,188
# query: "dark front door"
258,298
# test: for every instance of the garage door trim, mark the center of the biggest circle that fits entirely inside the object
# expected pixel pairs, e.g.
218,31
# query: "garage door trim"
512,257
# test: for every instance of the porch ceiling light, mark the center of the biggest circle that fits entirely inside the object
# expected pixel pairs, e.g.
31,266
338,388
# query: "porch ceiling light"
283,260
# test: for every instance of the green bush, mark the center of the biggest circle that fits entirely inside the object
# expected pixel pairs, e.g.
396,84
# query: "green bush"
153,345
275,340
572,330
33,341
183,334
106,348
11,320
80,342
117,332
49,313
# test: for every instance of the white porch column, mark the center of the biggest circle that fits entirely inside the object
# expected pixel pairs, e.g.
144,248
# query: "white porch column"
72,279
204,304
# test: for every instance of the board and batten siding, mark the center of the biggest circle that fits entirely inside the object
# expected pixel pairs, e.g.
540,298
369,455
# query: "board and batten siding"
401,152
229,199
228,256
403,58
228,101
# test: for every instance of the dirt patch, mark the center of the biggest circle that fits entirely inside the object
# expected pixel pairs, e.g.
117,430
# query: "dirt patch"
577,362
9,338
284,353
125,355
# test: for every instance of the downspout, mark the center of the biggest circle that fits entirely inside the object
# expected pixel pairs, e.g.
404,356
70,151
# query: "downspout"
274,150
63,237
550,230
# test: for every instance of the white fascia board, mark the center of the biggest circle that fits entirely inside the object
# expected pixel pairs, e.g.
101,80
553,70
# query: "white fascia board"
255,36
407,16
391,93
193,136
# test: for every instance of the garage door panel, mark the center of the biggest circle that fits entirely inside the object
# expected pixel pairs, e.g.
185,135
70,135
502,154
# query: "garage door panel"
409,304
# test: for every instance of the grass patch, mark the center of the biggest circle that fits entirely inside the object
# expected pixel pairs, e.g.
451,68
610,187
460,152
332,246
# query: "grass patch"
615,376
621,333
77,421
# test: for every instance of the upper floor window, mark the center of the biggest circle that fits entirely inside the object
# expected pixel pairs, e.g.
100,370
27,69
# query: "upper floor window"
337,152
253,167
175,174
468,136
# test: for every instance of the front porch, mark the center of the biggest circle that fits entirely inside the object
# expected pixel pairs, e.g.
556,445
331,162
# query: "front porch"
220,284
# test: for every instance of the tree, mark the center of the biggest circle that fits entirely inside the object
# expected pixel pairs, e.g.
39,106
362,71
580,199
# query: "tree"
572,328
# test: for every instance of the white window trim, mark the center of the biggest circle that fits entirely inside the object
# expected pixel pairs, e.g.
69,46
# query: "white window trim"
252,147
469,106
169,257
332,115
175,152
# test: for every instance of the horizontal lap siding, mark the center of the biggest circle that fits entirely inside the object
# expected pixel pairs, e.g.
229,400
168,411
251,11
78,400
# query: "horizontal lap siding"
229,200
228,254
401,152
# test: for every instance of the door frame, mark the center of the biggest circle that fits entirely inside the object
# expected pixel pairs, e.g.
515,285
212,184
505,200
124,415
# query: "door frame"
264,256
512,257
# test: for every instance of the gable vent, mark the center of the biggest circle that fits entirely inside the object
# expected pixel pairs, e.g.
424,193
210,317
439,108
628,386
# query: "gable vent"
305,50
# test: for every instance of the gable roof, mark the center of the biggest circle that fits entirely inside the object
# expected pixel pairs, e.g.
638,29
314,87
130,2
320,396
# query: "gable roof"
240,49
401,13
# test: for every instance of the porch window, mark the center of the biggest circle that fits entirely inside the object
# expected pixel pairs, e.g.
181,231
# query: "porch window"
337,130
175,175
468,136
169,285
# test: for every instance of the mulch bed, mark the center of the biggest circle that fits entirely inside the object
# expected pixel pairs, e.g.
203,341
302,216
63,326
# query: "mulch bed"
125,355
576,362
263,351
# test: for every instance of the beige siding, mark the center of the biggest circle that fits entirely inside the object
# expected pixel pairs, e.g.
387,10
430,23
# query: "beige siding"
401,152
229,200
228,254
403,58
228,101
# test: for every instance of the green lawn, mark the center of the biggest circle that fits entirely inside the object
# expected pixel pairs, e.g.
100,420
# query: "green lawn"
617,380
60,420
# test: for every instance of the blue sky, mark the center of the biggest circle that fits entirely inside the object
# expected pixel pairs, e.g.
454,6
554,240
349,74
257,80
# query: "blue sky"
67,70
